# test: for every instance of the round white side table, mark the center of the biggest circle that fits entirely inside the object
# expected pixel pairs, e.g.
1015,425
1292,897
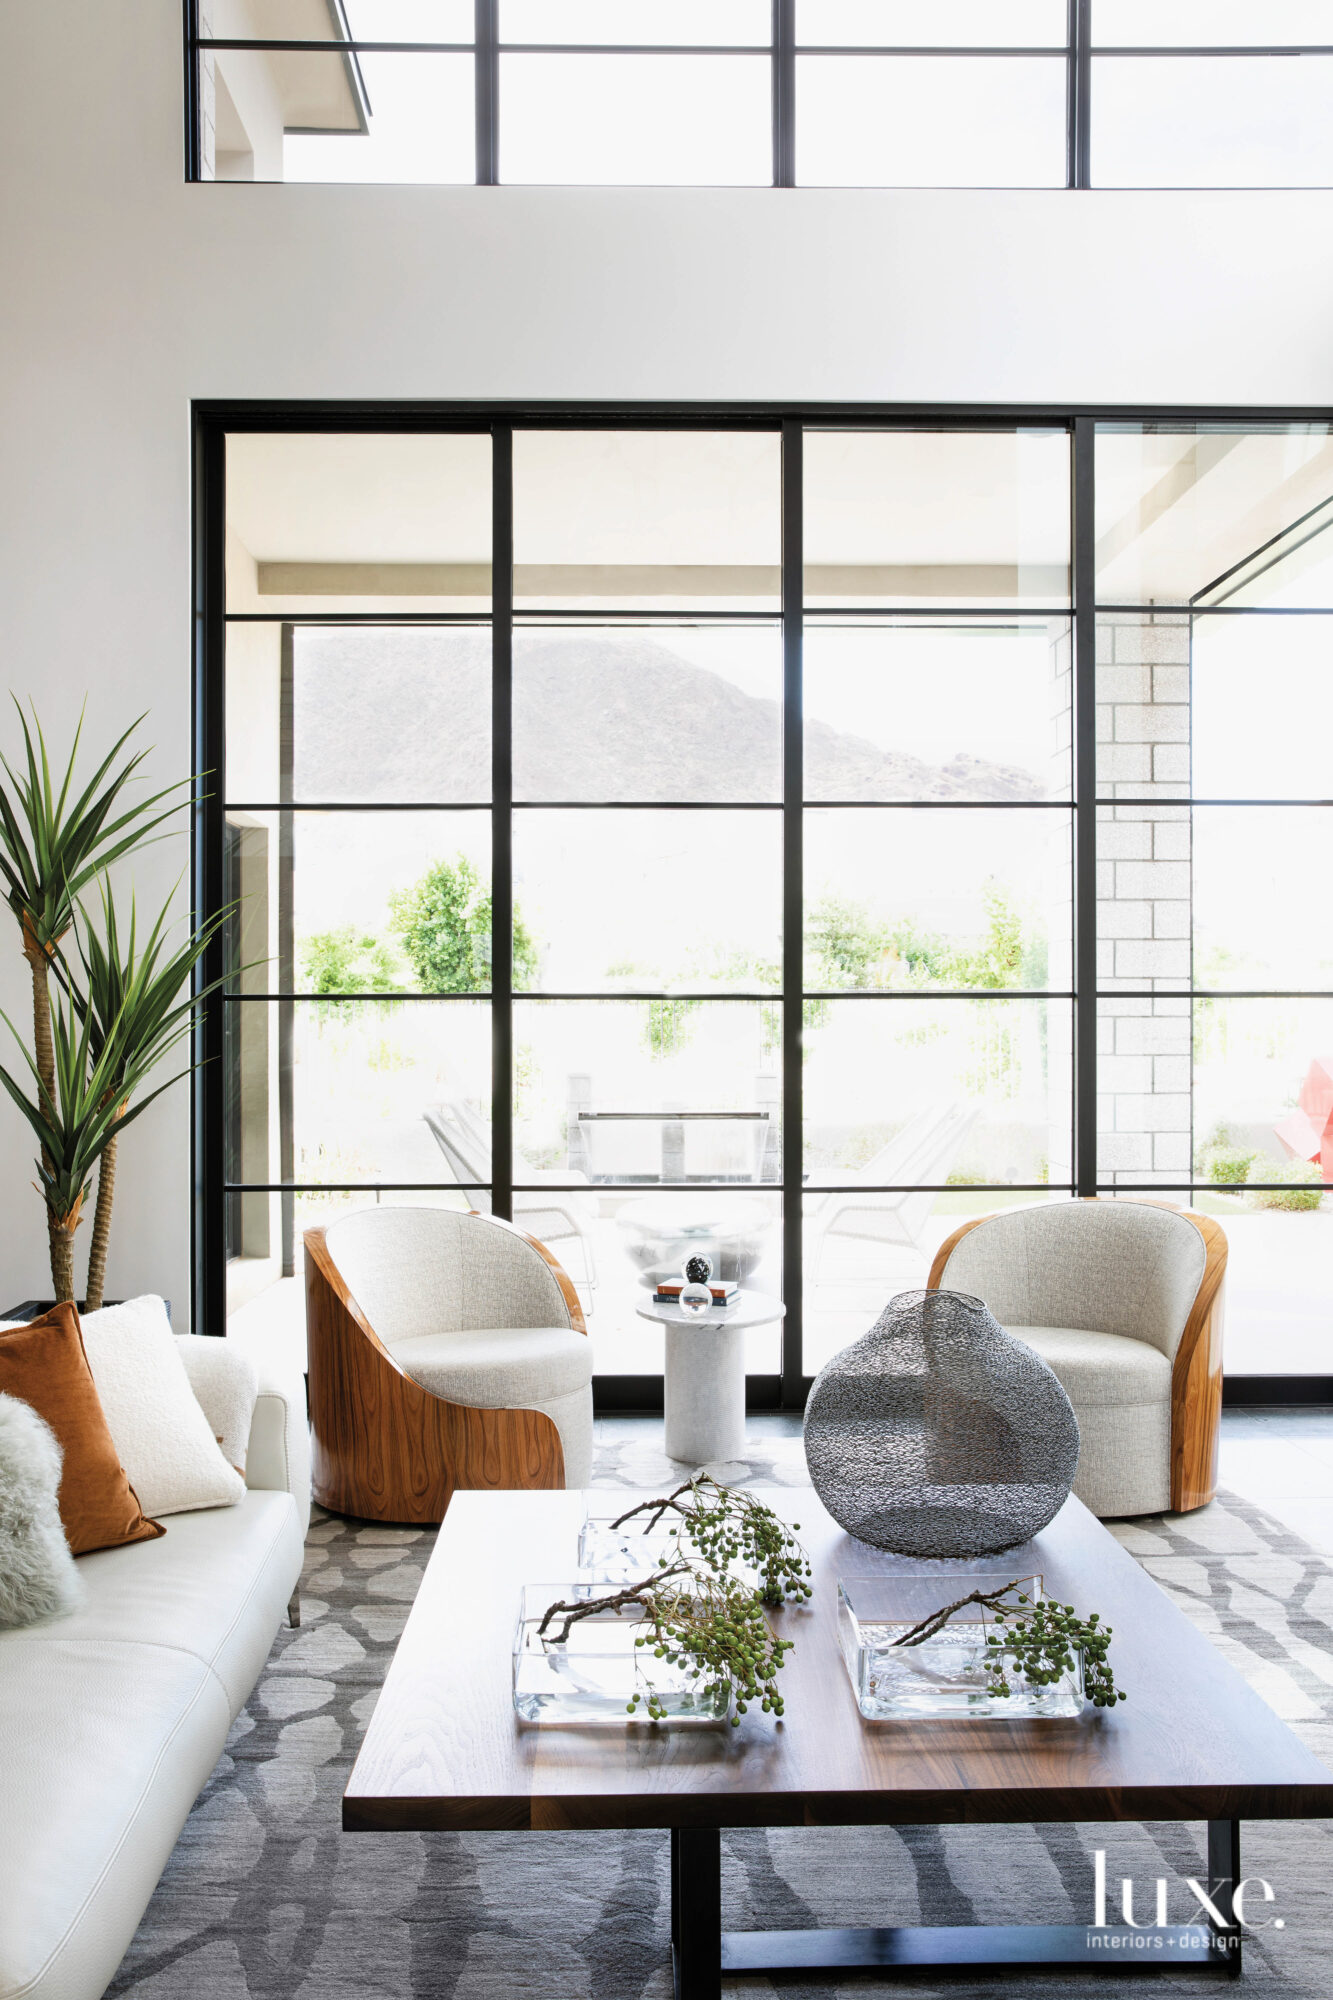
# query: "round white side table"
705,1374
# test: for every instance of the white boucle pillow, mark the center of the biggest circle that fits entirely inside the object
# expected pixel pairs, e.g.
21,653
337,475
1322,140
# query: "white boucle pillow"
166,1444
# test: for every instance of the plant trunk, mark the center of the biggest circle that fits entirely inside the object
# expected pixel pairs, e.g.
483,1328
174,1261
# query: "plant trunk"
106,1195
42,1047
62,1260
44,1055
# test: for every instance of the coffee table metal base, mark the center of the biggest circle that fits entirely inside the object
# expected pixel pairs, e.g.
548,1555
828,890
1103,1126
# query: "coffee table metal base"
704,1954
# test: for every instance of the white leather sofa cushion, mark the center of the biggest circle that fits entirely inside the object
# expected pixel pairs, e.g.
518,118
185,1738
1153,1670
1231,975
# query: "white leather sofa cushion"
1100,1368
103,1747
499,1367
215,1586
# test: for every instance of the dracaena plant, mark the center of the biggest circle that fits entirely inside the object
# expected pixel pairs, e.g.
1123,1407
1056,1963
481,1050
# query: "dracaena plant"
85,1106
58,837
129,1000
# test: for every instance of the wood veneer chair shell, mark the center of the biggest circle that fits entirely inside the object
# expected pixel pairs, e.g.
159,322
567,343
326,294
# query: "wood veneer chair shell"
1196,1374
385,1449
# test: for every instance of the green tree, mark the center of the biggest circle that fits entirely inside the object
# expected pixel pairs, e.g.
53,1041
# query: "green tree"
444,924
346,960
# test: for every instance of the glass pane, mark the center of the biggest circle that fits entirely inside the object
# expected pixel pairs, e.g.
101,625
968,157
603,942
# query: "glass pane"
904,1092
304,115
645,120
648,712
862,1249
650,519
1262,707
937,517
930,121
660,1092
1143,708
615,1246
1258,916
911,900
1261,1096
647,902
419,124
904,24
373,713
921,710
315,21
625,22
1186,24
1278,1293
358,523
1219,513
1212,121
364,1074
379,902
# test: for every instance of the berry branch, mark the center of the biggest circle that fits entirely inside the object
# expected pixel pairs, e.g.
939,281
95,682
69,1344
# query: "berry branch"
1042,1639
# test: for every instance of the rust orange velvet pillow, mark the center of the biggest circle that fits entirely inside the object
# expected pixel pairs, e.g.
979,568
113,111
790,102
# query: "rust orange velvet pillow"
43,1363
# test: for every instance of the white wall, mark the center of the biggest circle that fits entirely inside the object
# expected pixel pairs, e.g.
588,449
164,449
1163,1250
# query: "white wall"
127,293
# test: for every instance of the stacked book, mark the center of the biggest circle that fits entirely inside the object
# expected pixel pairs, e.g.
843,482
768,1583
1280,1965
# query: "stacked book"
724,1290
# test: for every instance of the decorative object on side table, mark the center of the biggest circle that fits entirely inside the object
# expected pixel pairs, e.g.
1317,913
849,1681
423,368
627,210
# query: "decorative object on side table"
939,1434
923,1647
698,1646
695,1295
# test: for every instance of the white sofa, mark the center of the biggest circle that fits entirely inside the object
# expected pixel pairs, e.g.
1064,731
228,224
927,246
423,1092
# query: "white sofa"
111,1719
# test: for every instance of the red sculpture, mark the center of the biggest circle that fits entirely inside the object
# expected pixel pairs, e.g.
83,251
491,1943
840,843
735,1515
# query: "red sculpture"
1307,1133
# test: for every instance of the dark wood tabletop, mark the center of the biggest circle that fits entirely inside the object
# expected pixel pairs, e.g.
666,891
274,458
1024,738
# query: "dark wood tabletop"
445,1749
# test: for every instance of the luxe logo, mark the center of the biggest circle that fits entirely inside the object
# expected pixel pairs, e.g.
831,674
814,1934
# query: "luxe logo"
1223,1912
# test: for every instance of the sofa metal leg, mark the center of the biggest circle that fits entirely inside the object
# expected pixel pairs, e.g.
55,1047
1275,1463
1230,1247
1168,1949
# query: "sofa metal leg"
294,1608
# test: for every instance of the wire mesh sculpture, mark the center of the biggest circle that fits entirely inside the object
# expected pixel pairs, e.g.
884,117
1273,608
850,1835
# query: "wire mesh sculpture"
939,1434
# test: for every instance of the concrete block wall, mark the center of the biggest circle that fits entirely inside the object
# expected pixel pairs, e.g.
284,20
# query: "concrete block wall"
1144,901
1059,1013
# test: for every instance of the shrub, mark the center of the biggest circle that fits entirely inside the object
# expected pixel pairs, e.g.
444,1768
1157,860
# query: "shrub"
1228,1166
1302,1184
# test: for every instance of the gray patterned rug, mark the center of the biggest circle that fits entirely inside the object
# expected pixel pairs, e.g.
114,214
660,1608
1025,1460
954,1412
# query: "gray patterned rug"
265,1899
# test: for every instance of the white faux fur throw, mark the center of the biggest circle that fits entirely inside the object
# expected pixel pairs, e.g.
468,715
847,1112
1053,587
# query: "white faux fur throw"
38,1578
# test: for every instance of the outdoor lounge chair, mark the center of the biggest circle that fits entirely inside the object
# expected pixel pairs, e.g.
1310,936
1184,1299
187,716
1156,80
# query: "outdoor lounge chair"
466,1144
924,1150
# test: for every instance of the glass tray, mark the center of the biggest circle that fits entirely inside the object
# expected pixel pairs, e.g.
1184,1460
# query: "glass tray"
590,1676
943,1676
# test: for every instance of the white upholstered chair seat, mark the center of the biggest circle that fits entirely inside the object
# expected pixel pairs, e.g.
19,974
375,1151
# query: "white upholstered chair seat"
498,1367
1100,1369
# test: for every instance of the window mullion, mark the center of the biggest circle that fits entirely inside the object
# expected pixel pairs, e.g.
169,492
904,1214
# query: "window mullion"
502,825
793,918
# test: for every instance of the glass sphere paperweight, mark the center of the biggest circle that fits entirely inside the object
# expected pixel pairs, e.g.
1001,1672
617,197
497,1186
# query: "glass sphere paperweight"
698,1269
695,1299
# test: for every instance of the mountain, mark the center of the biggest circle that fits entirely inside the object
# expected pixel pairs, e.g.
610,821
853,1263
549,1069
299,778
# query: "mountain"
404,713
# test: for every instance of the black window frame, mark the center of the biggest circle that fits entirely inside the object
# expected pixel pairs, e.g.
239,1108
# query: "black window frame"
213,421
782,48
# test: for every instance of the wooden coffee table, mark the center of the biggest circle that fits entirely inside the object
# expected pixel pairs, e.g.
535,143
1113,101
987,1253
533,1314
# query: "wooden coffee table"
445,1750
